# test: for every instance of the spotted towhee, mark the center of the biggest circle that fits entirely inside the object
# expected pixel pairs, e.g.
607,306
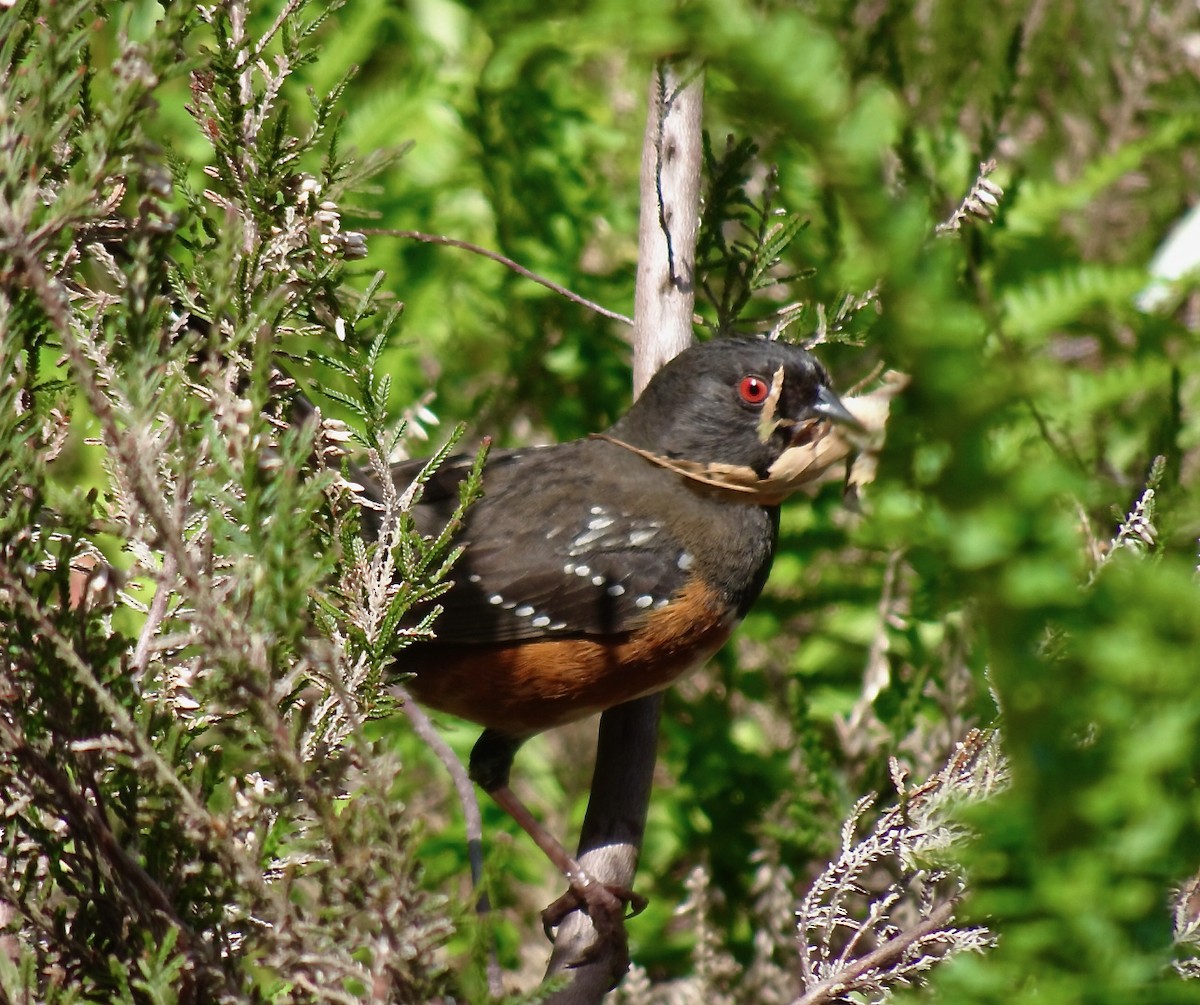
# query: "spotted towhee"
600,570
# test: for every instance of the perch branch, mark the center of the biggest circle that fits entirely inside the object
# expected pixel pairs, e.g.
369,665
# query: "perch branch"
616,815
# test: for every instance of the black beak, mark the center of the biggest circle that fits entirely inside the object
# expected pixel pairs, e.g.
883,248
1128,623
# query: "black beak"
830,406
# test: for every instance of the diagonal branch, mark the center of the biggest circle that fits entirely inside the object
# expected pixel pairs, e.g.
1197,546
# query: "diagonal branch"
495,256
465,788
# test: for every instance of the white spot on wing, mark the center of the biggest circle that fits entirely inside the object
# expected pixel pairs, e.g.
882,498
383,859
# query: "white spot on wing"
584,539
523,611
641,536
495,598
615,590
644,601
686,558
597,581
541,621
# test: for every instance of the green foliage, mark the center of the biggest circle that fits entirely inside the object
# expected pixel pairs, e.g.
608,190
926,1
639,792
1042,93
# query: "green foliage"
186,781
733,271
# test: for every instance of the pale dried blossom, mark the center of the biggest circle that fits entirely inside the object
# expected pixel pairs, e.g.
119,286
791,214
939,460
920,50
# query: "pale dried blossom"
880,916
980,203
1137,532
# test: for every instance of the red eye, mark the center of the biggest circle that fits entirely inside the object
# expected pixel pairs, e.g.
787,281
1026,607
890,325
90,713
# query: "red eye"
754,390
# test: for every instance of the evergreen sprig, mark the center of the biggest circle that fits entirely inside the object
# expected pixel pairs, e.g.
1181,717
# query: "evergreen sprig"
186,781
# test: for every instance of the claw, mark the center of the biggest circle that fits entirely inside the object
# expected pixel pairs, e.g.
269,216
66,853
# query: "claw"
604,904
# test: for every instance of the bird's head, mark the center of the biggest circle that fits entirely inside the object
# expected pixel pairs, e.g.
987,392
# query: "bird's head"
747,414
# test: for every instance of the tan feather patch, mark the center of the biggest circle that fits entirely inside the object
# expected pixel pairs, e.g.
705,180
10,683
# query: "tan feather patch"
768,422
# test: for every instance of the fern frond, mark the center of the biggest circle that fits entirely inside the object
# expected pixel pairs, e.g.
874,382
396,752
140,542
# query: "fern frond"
1053,300
1037,207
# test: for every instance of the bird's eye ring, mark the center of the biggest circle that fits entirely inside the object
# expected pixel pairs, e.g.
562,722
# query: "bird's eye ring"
753,390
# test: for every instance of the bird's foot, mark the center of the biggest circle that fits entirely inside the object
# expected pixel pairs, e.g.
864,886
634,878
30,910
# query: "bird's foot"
604,903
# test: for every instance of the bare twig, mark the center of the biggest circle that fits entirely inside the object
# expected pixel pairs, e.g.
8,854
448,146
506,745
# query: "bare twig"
154,617
495,256
465,788
853,729
670,219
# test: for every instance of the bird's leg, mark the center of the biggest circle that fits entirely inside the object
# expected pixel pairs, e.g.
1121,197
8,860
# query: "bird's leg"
604,905
491,760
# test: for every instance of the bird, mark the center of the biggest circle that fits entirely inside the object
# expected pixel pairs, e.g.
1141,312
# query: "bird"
602,569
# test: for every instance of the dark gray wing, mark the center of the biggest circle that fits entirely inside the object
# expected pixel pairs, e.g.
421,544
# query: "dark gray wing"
549,553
